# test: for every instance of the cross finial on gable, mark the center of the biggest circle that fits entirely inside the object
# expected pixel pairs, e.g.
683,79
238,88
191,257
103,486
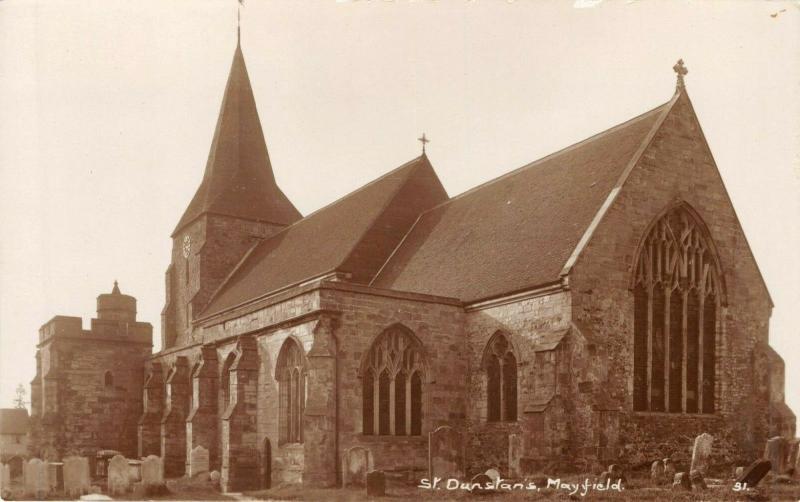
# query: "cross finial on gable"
681,70
423,140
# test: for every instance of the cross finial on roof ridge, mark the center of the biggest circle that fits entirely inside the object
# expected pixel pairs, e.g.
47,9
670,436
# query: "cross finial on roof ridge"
423,140
681,70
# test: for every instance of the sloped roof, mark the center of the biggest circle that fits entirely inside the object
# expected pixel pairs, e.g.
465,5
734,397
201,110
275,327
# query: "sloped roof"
238,179
351,234
14,421
519,230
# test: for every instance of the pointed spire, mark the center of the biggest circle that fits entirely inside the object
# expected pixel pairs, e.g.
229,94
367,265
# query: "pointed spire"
115,290
238,179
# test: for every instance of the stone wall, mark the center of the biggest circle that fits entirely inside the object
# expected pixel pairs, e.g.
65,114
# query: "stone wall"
677,167
88,387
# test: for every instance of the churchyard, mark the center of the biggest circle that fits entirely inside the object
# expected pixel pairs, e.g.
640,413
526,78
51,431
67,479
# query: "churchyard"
775,476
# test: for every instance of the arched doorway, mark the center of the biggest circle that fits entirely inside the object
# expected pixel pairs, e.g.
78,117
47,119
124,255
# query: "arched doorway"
266,465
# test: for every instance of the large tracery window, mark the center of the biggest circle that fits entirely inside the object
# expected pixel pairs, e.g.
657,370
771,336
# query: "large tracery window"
392,385
225,382
501,380
676,298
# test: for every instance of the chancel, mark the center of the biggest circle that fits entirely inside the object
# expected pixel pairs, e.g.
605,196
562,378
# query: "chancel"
585,307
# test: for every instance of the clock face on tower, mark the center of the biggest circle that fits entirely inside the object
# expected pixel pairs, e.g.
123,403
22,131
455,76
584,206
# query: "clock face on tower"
187,246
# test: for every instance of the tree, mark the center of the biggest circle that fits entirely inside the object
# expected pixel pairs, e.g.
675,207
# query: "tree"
19,401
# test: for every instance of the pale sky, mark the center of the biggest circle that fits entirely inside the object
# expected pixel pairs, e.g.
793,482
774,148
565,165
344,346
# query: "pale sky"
107,110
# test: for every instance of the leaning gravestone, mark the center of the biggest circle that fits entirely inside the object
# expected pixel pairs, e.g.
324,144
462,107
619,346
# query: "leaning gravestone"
119,478
356,463
681,481
198,461
152,471
514,455
376,484
76,476
701,453
775,452
445,453
479,484
754,473
657,472
36,482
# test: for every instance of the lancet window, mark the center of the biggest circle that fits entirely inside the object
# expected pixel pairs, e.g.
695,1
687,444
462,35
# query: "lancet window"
291,375
676,304
392,385
500,365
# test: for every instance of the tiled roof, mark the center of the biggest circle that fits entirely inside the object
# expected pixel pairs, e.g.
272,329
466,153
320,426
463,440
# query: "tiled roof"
238,179
519,230
13,421
355,234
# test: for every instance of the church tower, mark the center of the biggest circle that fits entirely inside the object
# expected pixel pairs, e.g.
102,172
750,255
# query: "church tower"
237,204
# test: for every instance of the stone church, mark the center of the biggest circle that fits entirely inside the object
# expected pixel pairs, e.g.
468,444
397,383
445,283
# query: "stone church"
601,303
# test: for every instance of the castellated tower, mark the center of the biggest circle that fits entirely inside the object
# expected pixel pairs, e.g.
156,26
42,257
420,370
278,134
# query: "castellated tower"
86,395
237,204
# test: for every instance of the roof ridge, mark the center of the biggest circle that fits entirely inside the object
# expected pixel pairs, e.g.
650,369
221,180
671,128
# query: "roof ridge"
413,166
623,177
566,149
282,231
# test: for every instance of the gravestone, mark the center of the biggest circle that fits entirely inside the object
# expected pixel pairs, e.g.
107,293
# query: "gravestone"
198,461
604,477
615,473
5,479
514,455
55,474
479,482
135,470
669,469
775,452
681,481
657,472
119,478
445,453
738,472
356,463
792,452
754,473
152,471
493,474
698,483
36,482
76,476
376,484
701,453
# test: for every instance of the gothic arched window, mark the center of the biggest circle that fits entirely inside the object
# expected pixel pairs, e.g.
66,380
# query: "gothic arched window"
392,379
108,379
500,365
676,295
225,381
291,375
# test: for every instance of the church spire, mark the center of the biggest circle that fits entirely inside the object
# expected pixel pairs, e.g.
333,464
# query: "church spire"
238,179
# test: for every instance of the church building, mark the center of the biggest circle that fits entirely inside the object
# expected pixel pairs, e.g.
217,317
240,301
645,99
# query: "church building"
601,303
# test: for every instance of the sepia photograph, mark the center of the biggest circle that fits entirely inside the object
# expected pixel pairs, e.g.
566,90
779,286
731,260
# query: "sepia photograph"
357,250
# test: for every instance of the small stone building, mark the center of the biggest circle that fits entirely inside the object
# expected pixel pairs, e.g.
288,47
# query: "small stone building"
86,395
601,303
